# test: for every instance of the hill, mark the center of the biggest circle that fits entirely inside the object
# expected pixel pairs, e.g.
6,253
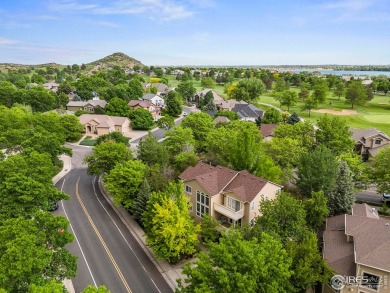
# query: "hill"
120,59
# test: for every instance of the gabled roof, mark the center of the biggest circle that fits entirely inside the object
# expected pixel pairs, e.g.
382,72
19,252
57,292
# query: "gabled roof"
102,121
267,129
100,103
213,179
370,240
150,96
360,135
221,179
143,104
246,186
248,111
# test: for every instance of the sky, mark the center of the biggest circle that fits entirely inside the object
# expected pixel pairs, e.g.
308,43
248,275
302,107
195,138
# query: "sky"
196,32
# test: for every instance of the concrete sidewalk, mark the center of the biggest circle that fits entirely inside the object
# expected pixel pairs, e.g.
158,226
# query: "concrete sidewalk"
170,272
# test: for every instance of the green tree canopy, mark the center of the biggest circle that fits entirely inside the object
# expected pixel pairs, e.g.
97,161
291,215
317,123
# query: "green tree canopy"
151,152
106,156
207,82
288,98
186,89
356,93
169,228
124,180
141,119
201,124
238,265
174,104
380,171
228,114
271,116
117,107
334,134
317,171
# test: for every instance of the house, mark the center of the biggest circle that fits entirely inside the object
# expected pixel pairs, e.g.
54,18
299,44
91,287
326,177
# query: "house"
104,124
248,112
200,95
357,246
51,86
369,141
88,106
267,131
147,105
221,119
231,197
228,105
162,88
155,99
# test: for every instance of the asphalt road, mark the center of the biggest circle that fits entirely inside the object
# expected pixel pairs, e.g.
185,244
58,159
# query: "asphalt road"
369,196
159,134
107,252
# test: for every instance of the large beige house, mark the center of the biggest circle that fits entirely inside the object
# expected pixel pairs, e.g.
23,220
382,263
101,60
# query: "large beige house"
357,246
103,124
231,197
369,141
88,106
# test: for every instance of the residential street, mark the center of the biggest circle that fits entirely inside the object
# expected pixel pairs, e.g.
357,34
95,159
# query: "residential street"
369,196
107,252
159,134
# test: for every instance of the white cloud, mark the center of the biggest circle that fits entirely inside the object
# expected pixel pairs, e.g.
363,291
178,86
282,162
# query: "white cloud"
165,10
7,41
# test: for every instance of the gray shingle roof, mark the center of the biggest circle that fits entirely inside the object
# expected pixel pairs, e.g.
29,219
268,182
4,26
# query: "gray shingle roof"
359,135
248,111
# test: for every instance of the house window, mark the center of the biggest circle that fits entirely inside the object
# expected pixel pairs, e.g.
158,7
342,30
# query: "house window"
188,189
233,204
202,203
378,141
252,206
371,281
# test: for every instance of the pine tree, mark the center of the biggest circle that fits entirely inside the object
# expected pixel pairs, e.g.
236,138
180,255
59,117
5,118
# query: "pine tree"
138,205
342,196
293,119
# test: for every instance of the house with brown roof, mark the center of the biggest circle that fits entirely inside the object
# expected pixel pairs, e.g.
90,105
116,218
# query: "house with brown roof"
88,106
200,95
231,197
104,124
357,246
267,131
147,105
369,141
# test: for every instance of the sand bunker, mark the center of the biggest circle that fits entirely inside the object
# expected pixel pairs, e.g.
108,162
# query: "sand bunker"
334,112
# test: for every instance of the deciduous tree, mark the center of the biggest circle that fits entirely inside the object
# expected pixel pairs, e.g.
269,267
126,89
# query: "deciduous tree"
117,107
380,171
106,156
356,93
124,180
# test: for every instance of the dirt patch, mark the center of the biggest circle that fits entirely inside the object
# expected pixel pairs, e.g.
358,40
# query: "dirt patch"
334,112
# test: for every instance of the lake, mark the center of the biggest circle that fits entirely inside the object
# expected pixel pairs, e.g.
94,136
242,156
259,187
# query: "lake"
344,72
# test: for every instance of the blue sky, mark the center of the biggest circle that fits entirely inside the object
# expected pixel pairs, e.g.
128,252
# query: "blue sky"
196,32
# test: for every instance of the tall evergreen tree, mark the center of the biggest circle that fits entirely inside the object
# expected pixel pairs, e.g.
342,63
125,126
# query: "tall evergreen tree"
138,205
294,118
342,196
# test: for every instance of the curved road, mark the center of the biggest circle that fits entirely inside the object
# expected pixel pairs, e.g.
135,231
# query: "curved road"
107,252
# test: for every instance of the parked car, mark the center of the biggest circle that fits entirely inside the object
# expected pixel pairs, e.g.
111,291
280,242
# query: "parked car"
185,114
386,197
54,207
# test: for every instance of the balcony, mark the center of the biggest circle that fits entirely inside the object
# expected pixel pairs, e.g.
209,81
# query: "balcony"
228,212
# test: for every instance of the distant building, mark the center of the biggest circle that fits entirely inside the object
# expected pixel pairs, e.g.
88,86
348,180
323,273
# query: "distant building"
267,131
88,106
248,112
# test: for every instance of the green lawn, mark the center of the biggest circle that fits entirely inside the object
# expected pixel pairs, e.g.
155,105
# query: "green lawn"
375,113
88,141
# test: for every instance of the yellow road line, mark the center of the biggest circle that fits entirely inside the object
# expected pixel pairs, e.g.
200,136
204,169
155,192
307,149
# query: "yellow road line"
101,239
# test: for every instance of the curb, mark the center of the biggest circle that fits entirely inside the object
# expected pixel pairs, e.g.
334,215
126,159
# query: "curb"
162,266
65,170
